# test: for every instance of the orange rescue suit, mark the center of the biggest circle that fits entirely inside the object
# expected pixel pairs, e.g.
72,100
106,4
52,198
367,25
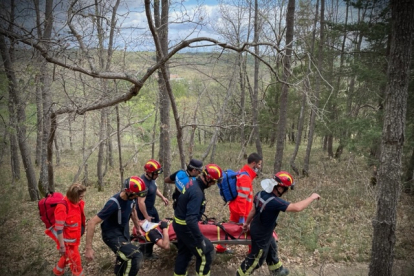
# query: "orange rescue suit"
241,206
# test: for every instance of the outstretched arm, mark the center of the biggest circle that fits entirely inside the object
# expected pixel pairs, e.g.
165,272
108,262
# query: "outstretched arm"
301,205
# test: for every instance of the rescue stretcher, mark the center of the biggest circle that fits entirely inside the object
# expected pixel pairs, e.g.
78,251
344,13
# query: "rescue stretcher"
228,233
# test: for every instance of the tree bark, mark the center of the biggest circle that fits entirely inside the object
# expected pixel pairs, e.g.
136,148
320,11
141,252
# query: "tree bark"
255,102
14,145
101,151
21,120
39,120
45,80
165,92
389,172
118,136
281,133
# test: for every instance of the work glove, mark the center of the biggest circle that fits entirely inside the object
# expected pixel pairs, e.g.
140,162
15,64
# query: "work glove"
163,224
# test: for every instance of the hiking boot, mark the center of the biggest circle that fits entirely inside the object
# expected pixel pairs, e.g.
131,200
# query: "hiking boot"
281,271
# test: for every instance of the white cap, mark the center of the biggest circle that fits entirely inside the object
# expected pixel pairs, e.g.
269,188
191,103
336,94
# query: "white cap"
147,226
268,184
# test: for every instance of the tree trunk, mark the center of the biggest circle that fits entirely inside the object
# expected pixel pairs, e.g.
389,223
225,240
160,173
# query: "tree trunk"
242,114
299,131
70,133
305,94
45,80
255,102
281,133
49,147
21,120
118,136
14,146
109,140
342,131
56,150
39,121
101,151
312,120
389,172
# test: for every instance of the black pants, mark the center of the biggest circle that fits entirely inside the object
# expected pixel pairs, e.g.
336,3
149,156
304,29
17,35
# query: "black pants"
187,248
262,250
128,256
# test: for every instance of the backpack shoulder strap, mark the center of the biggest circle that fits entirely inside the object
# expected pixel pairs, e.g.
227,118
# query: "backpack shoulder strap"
264,202
63,202
119,209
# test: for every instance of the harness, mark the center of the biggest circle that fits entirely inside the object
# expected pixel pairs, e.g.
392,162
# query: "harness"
260,202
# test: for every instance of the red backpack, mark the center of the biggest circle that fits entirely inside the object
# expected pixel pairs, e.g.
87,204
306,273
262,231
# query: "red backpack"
47,206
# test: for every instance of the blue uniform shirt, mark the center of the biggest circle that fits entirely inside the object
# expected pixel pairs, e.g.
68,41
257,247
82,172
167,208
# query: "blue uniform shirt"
191,206
109,214
150,198
265,222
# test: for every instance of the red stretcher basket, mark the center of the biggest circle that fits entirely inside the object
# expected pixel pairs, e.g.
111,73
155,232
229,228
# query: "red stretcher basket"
228,233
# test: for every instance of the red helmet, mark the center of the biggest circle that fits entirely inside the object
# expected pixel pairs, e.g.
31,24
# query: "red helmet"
213,172
284,179
135,185
153,166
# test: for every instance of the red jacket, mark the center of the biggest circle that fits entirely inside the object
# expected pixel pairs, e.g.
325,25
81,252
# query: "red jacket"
241,206
70,219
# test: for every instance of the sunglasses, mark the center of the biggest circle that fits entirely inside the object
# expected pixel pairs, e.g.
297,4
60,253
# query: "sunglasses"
140,194
158,171
215,181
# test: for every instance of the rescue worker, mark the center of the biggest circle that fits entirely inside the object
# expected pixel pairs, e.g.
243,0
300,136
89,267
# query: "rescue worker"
181,177
146,205
190,208
262,220
115,217
240,207
67,231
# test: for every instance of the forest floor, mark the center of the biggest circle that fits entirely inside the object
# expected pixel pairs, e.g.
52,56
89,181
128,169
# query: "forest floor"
331,237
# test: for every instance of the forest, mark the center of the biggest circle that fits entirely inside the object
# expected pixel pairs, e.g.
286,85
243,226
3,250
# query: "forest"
90,90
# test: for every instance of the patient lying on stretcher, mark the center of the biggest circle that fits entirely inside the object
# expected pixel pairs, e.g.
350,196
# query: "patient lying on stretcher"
162,233
153,232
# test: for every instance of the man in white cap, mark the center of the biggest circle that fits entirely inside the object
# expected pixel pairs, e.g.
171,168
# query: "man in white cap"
262,220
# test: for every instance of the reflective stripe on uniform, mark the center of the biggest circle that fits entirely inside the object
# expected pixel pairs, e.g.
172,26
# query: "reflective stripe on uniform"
59,268
180,221
203,261
253,266
53,231
127,260
275,266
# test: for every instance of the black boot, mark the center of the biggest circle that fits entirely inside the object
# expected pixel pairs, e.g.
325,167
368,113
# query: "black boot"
281,271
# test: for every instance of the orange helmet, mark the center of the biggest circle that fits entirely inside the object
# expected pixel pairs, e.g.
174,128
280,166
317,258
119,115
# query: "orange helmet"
153,166
284,179
213,172
136,186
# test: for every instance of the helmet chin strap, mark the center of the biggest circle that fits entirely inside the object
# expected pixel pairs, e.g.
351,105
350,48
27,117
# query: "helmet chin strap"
284,191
